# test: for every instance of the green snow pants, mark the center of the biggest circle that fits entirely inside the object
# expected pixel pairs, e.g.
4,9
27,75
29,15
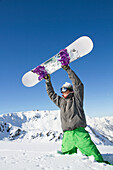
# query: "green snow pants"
80,138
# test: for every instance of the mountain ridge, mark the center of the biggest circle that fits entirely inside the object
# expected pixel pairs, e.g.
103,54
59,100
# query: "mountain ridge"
45,126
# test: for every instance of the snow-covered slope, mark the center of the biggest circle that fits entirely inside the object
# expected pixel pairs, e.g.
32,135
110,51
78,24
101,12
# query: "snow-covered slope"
29,140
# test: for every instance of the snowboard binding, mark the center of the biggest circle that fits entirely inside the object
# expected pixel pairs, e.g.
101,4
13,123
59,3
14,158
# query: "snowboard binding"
64,57
40,70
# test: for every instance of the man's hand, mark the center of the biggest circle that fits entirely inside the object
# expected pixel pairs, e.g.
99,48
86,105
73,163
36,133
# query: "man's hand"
47,77
65,67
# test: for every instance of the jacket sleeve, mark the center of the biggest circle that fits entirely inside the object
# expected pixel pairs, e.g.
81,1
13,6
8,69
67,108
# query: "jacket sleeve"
53,96
78,86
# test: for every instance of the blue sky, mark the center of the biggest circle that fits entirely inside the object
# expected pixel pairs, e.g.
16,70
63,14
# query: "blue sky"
31,31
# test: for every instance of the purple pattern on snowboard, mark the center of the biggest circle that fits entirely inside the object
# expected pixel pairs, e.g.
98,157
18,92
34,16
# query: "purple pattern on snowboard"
40,70
64,57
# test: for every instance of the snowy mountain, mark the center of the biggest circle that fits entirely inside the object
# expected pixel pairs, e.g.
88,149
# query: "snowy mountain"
40,133
45,126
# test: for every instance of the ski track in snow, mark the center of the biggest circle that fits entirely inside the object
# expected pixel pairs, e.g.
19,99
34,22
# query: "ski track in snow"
30,140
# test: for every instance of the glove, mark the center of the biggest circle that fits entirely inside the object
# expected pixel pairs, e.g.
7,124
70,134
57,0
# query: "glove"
47,77
65,67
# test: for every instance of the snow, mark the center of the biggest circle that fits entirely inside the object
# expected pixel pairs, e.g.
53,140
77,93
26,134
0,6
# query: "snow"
30,140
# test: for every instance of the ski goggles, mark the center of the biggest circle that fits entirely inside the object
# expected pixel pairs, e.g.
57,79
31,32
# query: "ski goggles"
63,89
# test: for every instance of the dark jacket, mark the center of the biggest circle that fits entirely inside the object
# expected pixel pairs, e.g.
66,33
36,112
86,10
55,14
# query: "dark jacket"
71,108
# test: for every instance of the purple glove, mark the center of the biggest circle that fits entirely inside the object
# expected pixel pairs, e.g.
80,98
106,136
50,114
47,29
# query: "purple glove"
40,70
64,57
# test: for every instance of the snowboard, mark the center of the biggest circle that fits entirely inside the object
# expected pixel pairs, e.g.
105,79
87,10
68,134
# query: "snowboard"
77,49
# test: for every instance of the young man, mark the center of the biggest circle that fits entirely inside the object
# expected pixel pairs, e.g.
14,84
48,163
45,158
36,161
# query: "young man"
72,115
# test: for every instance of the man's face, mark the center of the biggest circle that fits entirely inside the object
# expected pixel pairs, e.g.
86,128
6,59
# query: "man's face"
65,94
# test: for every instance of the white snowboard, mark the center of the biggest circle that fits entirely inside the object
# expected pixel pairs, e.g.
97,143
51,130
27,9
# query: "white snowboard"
77,49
